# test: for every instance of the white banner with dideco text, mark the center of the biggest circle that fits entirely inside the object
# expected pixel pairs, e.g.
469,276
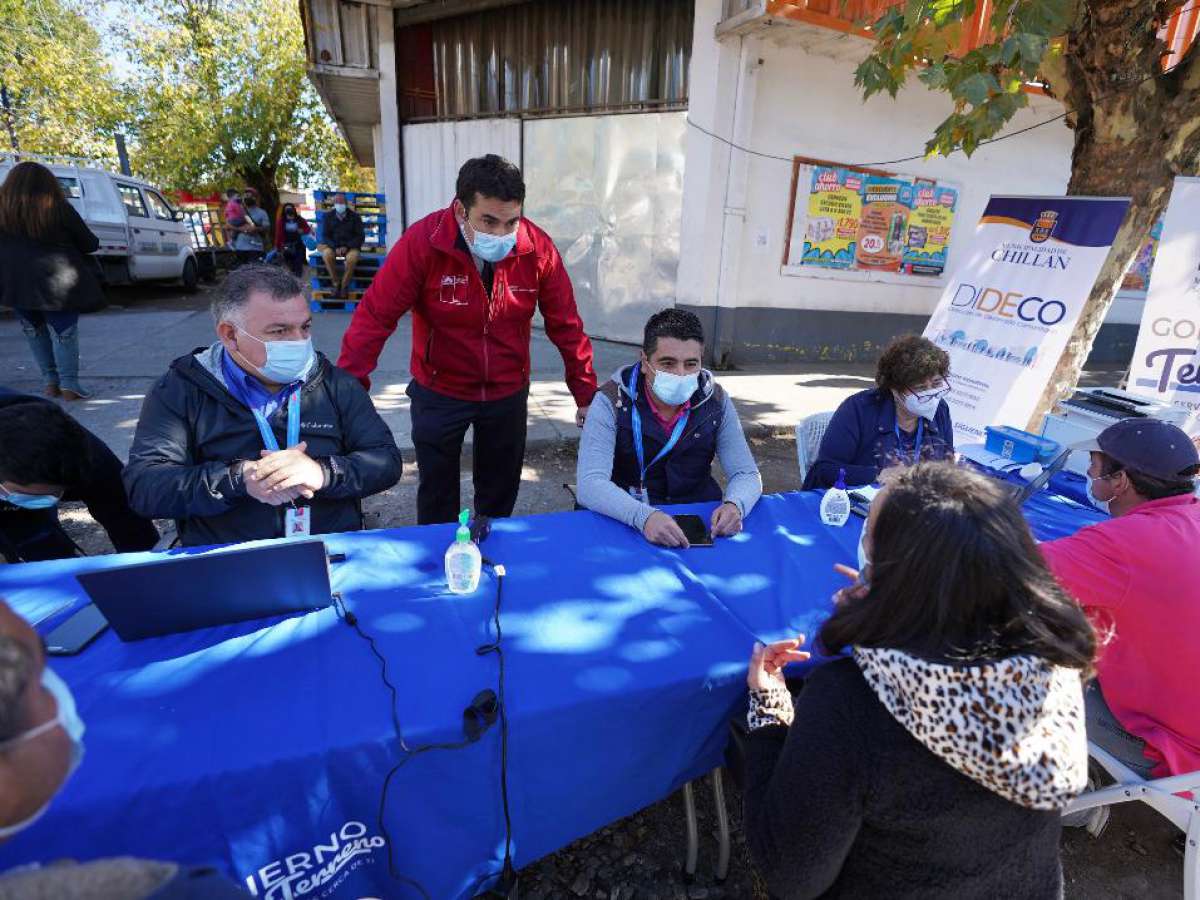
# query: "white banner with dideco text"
1166,361
1012,301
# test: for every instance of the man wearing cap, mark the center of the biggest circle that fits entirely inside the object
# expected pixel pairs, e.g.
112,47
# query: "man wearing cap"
1138,577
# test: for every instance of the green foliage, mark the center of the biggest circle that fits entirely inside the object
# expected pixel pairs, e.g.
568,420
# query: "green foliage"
224,97
209,92
63,96
923,37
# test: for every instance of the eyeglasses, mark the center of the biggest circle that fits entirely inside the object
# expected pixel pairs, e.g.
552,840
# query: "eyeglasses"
934,393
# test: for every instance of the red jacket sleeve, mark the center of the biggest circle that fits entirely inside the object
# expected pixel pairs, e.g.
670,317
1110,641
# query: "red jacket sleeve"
279,233
392,294
556,300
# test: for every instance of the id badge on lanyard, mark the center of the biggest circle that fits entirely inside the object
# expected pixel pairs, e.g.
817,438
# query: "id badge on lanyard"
297,520
640,493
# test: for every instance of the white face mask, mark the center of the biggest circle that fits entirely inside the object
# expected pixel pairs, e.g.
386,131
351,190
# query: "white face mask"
340,208
925,409
675,390
1101,505
863,559
65,716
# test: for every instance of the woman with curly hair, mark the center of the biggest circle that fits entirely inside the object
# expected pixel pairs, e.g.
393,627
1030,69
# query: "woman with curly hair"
903,419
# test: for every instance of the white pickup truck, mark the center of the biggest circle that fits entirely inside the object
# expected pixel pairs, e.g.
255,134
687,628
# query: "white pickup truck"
142,238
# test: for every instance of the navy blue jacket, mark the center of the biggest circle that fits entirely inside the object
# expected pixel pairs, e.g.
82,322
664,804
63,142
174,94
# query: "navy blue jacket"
685,475
861,439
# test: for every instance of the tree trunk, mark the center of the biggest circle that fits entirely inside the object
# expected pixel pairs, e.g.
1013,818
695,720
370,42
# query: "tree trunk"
8,120
1135,130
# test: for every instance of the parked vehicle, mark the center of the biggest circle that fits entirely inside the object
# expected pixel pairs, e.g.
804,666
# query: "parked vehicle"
142,237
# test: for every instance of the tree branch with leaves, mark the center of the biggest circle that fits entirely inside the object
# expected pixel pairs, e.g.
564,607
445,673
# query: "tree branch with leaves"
1134,110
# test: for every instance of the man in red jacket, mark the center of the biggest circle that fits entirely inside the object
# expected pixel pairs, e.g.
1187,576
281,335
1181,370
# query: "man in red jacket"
473,275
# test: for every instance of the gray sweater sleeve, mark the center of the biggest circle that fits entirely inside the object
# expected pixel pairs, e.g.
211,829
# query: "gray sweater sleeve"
745,484
593,472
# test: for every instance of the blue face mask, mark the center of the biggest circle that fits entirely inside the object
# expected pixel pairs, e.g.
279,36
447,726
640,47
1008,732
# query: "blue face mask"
674,390
287,361
29,501
66,717
491,247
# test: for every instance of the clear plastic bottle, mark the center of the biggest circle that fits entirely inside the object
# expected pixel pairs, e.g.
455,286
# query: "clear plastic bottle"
835,505
463,560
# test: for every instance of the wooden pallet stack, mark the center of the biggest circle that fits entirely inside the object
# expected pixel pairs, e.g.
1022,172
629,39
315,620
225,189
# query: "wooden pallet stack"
372,208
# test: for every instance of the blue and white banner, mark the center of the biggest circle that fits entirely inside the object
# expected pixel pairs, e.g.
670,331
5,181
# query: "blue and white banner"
1166,361
1014,298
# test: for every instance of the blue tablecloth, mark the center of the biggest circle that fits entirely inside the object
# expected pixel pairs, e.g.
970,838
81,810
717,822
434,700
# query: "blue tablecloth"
261,748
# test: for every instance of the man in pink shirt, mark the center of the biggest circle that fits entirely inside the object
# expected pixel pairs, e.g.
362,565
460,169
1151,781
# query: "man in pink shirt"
1138,577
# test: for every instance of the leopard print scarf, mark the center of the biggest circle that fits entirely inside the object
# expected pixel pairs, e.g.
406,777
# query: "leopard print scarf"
1015,726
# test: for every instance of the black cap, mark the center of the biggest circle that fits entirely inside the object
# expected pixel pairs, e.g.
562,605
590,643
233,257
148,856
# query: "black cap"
1149,446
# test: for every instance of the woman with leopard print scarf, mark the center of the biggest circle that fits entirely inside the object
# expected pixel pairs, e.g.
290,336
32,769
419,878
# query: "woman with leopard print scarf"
932,759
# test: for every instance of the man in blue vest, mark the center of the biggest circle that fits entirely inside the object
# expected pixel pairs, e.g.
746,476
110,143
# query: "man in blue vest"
652,433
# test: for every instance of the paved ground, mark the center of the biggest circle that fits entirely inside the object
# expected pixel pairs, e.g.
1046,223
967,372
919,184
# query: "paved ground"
129,345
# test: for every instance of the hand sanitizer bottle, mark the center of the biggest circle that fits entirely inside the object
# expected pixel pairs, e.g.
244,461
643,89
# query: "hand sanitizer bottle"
463,561
835,505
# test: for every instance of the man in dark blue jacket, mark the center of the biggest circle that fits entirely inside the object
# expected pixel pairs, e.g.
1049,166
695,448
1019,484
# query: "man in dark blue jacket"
258,435
903,419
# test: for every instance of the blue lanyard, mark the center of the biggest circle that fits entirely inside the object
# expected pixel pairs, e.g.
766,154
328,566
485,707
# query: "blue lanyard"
676,433
916,458
293,424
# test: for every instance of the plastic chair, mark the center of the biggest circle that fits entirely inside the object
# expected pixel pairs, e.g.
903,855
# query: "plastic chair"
809,432
1162,795
724,844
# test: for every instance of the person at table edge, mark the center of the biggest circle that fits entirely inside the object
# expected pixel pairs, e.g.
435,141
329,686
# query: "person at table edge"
1137,575
903,418
473,275
258,433
683,419
41,746
46,458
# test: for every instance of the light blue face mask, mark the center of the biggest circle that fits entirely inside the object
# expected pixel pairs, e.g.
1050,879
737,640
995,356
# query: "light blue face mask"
491,247
29,501
287,361
66,717
675,390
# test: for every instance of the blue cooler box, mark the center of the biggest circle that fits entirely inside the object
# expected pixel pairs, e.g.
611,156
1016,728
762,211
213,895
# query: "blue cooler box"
1020,446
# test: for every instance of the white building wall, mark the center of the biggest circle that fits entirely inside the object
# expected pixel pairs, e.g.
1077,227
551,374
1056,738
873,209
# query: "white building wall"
808,105
788,90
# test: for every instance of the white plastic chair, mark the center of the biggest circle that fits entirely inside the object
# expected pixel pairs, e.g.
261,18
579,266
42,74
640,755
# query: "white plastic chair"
809,432
1161,795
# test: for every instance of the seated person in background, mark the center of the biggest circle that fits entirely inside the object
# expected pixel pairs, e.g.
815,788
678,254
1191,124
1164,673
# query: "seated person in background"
41,746
935,759
258,432
47,457
651,435
1137,576
290,229
903,419
341,234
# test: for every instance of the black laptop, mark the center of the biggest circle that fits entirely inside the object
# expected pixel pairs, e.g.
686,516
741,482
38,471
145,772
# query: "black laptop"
186,592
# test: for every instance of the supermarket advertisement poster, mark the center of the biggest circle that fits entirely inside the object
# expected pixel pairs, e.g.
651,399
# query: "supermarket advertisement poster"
856,221
929,226
834,210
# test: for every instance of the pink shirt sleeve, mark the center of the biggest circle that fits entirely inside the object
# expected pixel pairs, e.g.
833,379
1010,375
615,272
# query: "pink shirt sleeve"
1090,566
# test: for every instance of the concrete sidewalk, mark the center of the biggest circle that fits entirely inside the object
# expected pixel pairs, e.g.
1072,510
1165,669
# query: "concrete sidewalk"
127,347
